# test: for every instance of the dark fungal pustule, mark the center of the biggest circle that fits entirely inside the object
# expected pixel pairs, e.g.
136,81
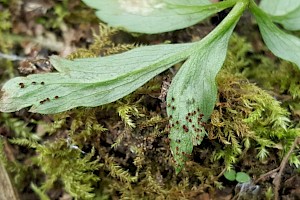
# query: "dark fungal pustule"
56,97
33,83
22,85
185,128
45,100
173,99
42,83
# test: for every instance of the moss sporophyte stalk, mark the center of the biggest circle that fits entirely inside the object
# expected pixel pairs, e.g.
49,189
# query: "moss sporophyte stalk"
191,97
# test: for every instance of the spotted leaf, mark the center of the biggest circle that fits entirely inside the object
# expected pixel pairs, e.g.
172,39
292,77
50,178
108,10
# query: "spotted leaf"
192,95
89,82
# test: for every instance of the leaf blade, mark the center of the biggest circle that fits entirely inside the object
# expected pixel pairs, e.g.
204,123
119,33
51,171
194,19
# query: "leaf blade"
194,92
283,45
230,175
286,13
194,107
242,177
278,7
91,82
153,16
290,21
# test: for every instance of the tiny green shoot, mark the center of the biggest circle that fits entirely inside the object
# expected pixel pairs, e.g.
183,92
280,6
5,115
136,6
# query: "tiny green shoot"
240,177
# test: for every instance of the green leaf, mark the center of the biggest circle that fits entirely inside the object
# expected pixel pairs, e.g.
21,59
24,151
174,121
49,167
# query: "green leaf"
284,12
192,95
155,16
90,82
230,175
242,177
283,45
279,7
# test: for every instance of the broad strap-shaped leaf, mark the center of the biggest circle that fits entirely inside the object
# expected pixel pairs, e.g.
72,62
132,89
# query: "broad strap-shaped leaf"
192,95
154,16
285,12
282,44
90,82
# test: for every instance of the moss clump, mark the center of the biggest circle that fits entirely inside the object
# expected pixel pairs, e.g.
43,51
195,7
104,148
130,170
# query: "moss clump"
279,77
248,117
60,162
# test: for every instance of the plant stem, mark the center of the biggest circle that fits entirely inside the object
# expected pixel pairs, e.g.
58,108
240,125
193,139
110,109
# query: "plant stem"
212,6
259,13
230,19
219,6
256,10
224,4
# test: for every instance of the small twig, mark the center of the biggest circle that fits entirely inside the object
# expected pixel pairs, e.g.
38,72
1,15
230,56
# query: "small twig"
221,174
283,163
266,175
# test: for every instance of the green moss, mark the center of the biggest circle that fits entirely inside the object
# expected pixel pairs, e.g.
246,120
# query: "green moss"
5,44
67,12
60,162
269,72
18,127
247,116
103,45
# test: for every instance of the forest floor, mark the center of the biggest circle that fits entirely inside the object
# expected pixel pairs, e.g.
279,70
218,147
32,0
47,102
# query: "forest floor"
121,150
